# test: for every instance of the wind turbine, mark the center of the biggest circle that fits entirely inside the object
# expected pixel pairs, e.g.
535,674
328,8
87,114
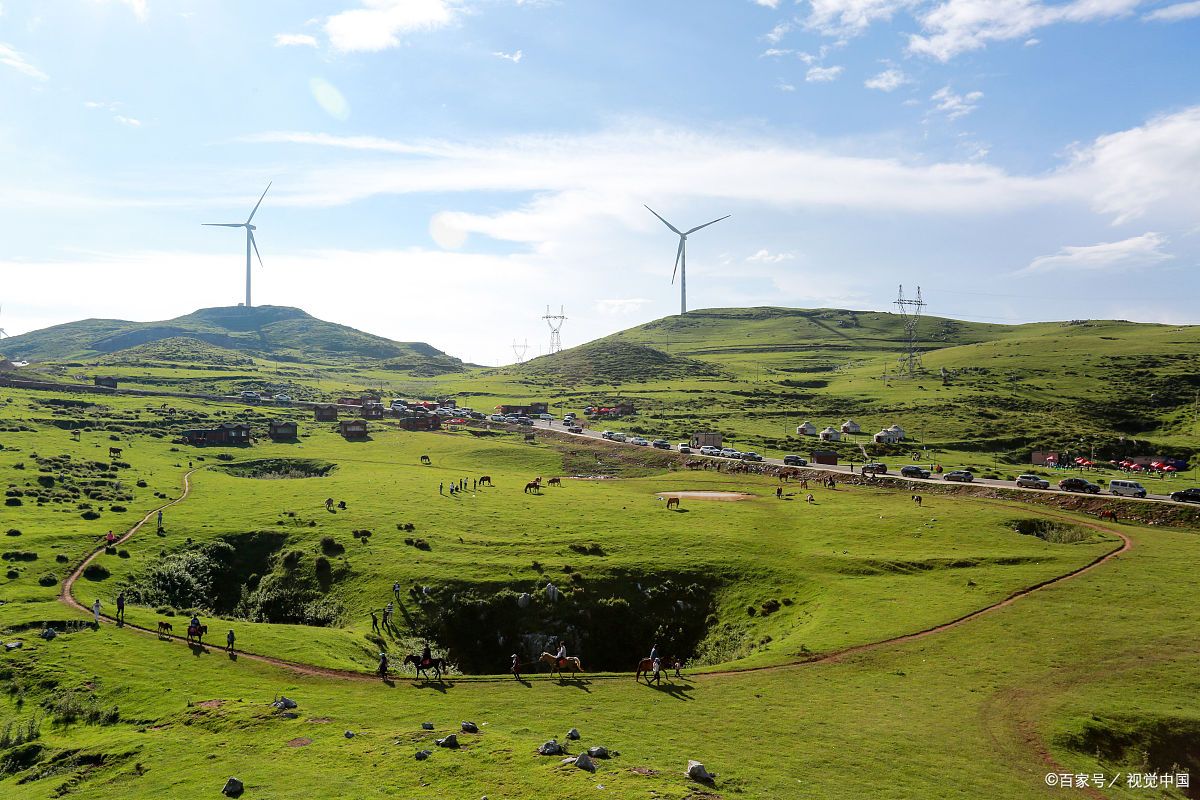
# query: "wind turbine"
681,255
249,238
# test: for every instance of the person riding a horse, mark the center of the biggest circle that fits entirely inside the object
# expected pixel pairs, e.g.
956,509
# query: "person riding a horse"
426,656
561,658
195,621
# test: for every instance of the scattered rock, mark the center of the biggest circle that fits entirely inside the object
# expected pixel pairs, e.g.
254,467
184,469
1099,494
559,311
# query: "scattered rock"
697,772
48,634
349,734
551,748
584,762
284,703
552,592
470,727
289,715
427,726
450,741
598,752
10,646
421,755
524,600
568,760
233,788
573,733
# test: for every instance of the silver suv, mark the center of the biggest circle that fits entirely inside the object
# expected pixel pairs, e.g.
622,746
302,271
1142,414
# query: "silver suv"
1032,482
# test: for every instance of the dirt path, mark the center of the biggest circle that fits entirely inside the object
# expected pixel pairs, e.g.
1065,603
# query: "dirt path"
66,597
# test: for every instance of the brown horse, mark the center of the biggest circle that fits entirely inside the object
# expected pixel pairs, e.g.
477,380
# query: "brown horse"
533,487
672,502
114,452
554,482
196,633
569,661
485,480
646,667
165,628
1109,514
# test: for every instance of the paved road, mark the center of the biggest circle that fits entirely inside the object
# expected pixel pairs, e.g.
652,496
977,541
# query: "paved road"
893,469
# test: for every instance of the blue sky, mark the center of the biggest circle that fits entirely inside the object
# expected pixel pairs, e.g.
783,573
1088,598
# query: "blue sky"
444,169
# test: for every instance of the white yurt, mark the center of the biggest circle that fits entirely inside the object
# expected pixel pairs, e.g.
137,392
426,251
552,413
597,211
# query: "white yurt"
886,436
806,429
850,426
830,435
896,429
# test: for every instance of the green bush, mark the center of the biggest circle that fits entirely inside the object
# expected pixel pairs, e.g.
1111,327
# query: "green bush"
90,515
12,532
19,555
96,572
49,579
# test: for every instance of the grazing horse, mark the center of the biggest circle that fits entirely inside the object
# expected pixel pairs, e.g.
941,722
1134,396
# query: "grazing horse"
196,633
485,480
646,667
438,665
554,482
533,487
165,628
426,460
672,502
1108,513
569,661
329,504
916,498
114,452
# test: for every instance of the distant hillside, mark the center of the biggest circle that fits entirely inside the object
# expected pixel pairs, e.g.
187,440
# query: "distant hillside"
609,361
175,351
277,333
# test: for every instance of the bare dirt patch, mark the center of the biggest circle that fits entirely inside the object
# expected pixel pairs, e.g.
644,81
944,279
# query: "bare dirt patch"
707,495
299,741
210,704
320,720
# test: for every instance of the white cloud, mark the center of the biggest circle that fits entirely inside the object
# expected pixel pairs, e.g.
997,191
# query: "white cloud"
1134,253
767,257
621,308
295,40
106,105
329,98
138,7
776,34
784,86
11,58
823,74
959,26
379,24
887,81
955,106
1032,42
775,52
848,17
767,3
1176,12
128,121
513,57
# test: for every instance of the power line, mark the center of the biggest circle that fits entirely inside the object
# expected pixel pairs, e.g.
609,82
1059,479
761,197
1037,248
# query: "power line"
910,310
555,321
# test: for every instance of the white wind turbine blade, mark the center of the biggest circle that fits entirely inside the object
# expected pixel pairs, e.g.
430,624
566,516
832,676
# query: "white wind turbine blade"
224,224
705,225
678,255
254,244
259,203
664,222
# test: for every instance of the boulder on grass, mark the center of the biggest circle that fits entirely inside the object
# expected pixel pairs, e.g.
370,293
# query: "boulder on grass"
573,733
697,772
470,727
421,755
427,726
450,741
551,748
598,751
233,788
284,703
583,762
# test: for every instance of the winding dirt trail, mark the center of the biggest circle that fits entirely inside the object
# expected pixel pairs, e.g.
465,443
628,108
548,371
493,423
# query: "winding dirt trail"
66,597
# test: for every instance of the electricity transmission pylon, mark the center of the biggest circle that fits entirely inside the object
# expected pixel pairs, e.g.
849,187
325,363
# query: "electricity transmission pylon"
519,350
910,310
555,321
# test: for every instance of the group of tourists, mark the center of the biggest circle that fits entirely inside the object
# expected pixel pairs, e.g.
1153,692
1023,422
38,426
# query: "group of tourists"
458,486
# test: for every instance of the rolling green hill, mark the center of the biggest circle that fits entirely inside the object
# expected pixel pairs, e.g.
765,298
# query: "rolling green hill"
613,361
275,333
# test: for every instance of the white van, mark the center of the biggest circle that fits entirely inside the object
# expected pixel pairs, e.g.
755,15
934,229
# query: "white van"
1127,488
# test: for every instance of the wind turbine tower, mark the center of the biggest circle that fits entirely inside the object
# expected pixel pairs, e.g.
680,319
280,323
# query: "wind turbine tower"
681,255
250,243
555,321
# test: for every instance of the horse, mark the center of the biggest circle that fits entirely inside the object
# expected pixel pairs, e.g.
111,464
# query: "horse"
165,628
426,460
1109,514
533,487
438,665
552,660
916,498
485,480
672,502
196,632
646,667
114,452
554,482
329,504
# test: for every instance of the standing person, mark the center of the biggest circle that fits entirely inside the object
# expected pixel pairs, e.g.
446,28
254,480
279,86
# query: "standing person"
374,621
474,484
121,608
396,590
109,538
229,640
441,488
516,666
160,519
387,614
383,665
96,611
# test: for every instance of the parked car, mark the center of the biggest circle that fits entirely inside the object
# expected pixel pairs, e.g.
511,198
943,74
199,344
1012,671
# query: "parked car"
709,450
546,417
1078,485
1124,488
524,421
640,441
913,471
1032,482
496,418
575,429
795,461
661,444
684,447
874,468
251,396
959,475
607,435
729,452
283,398
751,456
1186,496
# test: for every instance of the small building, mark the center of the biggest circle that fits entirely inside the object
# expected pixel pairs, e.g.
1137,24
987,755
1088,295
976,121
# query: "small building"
1039,458
523,411
349,401
7,366
325,412
831,435
886,436
230,434
353,428
706,439
105,380
806,429
896,429
282,430
823,457
420,422
850,426
372,411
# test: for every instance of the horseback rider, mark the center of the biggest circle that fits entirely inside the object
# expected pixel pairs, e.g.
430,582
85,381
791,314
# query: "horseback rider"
654,652
426,656
195,622
561,658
